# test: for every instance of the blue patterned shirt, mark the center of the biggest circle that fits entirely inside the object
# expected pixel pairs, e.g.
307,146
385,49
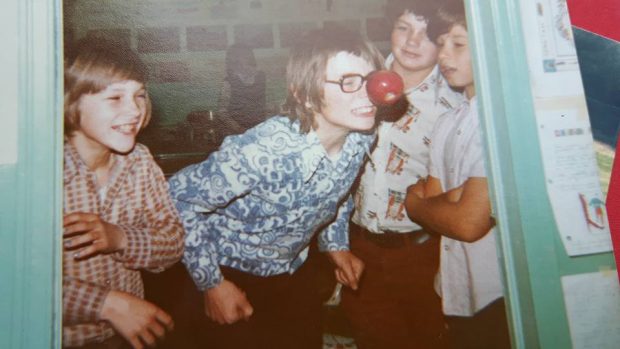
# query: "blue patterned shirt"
255,204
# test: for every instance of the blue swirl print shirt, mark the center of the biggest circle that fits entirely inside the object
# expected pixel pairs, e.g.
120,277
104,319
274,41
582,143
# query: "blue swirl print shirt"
255,204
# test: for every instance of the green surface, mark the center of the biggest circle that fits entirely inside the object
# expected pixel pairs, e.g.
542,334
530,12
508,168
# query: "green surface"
534,258
30,208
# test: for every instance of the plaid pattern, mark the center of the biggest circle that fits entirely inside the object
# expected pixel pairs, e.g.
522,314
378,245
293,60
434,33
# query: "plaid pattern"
137,200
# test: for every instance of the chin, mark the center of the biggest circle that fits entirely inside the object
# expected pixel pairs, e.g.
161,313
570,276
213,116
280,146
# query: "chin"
365,125
123,149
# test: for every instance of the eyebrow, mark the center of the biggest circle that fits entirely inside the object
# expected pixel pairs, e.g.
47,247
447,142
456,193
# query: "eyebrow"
460,36
122,89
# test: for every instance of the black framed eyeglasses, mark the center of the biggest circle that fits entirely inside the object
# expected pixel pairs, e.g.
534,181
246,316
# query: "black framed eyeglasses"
350,83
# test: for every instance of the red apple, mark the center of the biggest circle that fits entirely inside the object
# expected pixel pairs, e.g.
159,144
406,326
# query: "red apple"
384,87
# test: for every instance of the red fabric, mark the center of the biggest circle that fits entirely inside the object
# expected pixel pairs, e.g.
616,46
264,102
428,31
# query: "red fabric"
613,206
600,16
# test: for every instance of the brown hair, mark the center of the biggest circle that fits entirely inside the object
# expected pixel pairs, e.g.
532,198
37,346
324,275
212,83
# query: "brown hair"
450,14
307,66
425,8
93,64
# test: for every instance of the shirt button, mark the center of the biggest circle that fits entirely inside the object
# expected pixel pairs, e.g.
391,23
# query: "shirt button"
458,132
108,282
446,248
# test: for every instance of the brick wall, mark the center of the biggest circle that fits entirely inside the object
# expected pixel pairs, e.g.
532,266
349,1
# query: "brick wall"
183,42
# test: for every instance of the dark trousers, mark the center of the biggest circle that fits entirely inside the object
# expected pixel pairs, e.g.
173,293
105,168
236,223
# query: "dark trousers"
174,291
286,310
287,313
487,329
396,305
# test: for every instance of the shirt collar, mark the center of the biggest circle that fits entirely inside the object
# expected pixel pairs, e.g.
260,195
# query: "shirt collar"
74,165
314,154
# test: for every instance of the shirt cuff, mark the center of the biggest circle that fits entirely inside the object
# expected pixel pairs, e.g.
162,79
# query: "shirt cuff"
205,276
138,248
82,301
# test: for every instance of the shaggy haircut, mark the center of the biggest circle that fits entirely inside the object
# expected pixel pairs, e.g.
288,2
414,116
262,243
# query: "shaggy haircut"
449,15
424,8
307,67
91,65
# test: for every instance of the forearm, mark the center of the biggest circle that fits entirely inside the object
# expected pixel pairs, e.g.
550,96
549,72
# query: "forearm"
152,248
335,237
457,220
157,242
201,254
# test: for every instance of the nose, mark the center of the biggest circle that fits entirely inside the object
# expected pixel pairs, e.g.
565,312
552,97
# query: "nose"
443,53
363,92
415,37
132,106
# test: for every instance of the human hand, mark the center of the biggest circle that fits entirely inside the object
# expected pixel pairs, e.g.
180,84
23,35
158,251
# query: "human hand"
226,303
88,235
135,319
349,268
418,189
454,195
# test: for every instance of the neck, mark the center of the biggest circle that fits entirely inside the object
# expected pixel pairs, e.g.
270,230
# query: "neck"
332,141
96,157
470,91
411,78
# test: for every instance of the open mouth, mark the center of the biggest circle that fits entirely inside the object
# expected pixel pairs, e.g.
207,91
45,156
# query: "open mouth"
128,129
364,111
447,71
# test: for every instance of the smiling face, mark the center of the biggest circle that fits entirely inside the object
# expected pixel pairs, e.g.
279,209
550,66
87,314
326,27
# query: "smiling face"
111,119
414,52
455,60
344,112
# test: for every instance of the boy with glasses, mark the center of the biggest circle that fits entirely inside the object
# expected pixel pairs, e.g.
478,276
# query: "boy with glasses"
251,208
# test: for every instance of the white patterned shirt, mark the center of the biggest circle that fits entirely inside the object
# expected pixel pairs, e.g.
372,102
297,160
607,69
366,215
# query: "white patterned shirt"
401,157
255,204
469,272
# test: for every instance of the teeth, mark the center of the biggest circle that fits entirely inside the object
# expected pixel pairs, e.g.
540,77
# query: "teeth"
363,110
126,128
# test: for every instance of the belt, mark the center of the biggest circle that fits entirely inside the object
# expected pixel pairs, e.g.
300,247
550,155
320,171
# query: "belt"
391,239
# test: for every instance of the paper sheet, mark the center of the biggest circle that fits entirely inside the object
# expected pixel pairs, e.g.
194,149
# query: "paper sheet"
593,309
564,130
572,180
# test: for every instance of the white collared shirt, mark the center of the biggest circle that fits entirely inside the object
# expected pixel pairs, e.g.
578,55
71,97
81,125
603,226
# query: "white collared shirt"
469,272
401,157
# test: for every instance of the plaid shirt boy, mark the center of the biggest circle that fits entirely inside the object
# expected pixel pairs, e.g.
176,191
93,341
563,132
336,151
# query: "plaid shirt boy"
136,199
